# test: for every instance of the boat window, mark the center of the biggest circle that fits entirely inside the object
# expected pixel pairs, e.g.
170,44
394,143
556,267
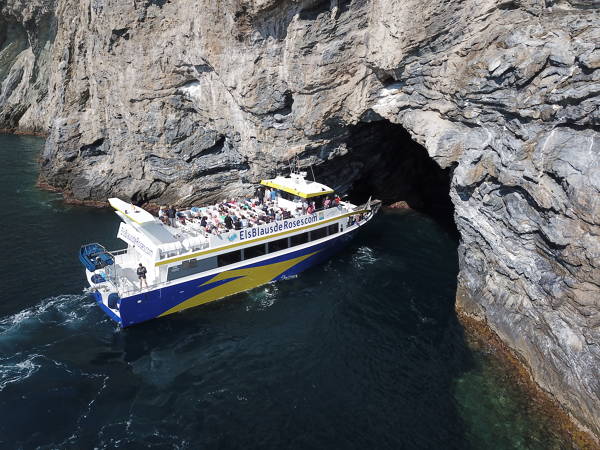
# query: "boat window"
318,233
280,244
191,267
189,264
333,229
255,251
229,258
299,239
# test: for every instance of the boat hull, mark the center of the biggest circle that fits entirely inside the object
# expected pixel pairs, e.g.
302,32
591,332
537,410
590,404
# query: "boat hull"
204,289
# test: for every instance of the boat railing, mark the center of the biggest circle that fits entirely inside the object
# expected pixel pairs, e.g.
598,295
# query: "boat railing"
137,290
118,252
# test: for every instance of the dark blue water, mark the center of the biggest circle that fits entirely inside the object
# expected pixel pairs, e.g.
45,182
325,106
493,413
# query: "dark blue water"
363,352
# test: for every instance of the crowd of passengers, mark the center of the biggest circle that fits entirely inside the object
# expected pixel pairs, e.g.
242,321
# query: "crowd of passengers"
243,213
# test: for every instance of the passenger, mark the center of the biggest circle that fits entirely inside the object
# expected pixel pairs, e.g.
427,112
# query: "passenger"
162,212
244,222
267,196
327,202
237,223
304,207
260,194
228,222
141,273
171,215
337,200
274,196
311,208
203,221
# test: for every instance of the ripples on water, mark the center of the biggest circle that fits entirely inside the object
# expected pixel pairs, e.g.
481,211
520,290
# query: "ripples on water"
363,351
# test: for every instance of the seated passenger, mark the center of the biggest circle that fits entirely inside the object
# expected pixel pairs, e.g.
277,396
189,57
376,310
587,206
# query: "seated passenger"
237,223
327,202
228,222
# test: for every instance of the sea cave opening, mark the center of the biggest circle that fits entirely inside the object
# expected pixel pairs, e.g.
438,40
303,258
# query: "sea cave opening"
385,162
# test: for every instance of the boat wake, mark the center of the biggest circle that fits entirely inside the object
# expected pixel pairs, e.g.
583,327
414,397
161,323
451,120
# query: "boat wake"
15,369
44,353
60,310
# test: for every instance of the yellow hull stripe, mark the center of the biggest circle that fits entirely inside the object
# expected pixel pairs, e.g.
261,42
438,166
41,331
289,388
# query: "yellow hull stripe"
294,191
249,277
263,238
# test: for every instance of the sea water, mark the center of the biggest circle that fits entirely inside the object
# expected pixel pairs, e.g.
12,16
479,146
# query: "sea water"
364,351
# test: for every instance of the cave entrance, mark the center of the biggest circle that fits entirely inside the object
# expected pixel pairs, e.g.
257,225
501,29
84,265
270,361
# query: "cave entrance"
384,161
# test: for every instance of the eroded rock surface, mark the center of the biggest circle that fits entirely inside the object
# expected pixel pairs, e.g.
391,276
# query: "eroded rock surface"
172,101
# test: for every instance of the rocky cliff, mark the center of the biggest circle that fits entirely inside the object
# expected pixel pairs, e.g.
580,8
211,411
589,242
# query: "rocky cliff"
172,101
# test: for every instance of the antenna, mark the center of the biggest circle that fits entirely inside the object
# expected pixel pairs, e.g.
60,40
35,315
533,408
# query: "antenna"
313,173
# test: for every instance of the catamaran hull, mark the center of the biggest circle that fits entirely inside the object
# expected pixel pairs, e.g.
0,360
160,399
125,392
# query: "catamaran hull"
174,298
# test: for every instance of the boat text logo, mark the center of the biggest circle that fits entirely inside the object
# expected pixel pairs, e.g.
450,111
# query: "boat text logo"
265,230
133,240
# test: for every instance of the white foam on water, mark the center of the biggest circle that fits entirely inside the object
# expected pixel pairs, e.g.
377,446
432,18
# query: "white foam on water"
364,256
60,310
11,372
264,297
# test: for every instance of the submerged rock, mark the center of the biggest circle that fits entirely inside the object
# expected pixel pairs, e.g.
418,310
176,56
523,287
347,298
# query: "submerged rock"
170,101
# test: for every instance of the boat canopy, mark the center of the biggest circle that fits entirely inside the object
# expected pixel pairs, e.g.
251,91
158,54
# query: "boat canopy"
297,184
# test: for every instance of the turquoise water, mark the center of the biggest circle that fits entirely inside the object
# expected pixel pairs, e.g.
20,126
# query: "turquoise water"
364,351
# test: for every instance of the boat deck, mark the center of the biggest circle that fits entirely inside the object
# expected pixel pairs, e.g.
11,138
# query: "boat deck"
189,231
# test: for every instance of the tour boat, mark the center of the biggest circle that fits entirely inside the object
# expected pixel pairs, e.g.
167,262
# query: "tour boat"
201,256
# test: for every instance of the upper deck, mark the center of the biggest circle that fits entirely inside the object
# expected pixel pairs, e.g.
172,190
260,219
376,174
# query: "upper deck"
231,223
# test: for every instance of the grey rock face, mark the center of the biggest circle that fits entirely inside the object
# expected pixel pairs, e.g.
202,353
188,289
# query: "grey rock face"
172,101
26,32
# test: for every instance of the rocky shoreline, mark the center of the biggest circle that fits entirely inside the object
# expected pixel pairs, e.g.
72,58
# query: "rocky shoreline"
488,111
481,336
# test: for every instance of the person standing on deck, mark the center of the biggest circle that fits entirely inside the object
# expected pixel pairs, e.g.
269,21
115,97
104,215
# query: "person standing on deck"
171,215
141,273
260,193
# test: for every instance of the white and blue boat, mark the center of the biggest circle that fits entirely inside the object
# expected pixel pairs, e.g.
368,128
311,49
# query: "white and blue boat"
203,256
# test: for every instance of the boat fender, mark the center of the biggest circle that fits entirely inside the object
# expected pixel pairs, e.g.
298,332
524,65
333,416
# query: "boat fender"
113,299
